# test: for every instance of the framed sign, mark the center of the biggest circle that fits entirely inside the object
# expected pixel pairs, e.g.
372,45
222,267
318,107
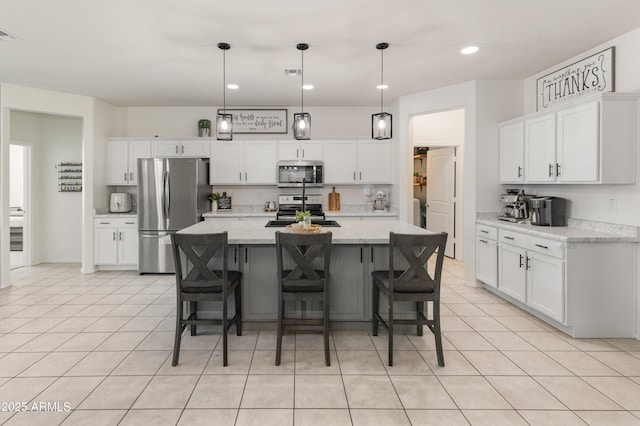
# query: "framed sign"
594,74
267,121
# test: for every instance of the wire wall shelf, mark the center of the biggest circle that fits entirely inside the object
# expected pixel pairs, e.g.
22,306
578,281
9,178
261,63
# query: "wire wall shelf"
69,176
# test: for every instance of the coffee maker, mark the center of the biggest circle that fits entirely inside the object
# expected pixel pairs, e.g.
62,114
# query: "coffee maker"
548,211
514,206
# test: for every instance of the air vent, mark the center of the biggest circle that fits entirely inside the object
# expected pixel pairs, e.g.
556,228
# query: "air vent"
292,72
6,36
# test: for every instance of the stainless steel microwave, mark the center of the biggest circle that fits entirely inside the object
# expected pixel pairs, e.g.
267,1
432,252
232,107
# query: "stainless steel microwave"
291,173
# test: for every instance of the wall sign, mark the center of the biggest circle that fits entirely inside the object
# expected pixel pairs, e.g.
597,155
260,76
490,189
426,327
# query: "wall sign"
594,74
271,121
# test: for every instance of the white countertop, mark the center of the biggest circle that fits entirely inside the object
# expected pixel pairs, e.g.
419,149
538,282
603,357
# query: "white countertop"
104,212
253,231
345,211
577,231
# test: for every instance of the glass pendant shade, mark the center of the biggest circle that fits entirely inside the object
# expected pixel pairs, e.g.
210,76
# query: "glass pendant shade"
224,127
224,122
381,125
302,125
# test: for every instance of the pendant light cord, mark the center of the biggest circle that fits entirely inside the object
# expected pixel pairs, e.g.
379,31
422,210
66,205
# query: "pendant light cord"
302,77
224,82
381,79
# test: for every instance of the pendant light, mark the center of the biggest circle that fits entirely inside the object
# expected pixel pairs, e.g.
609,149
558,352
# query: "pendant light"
381,122
302,120
224,121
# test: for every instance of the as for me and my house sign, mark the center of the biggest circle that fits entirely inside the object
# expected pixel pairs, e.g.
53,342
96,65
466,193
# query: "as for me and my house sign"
591,75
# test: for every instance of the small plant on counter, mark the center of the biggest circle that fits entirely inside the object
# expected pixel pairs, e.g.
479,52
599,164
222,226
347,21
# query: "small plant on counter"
214,196
204,124
301,215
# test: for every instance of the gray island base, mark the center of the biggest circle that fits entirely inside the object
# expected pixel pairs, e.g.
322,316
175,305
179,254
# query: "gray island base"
359,247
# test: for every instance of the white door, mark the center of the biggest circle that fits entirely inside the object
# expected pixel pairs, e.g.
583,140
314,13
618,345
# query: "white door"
137,149
374,162
441,204
117,162
540,149
128,246
512,275
487,261
227,163
512,153
340,162
165,148
196,149
578,144
260,159
545,285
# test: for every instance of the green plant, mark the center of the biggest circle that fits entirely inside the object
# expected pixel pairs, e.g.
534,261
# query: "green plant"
301,215
214,196
204,124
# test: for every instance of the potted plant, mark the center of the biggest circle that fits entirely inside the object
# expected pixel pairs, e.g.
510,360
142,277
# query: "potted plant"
204,127
303,218
214,201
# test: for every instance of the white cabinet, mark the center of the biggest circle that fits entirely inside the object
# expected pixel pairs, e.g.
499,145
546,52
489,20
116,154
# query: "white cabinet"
198,148
487,255
545,279
122,158
540,149
300,150
512,153
243,162
513,273
591,141
116,241
355,162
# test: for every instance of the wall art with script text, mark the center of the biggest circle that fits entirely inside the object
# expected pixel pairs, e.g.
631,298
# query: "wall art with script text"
595,74
252,121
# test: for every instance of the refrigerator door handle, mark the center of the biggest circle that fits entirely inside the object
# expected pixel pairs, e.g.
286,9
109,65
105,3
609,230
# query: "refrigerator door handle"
165,198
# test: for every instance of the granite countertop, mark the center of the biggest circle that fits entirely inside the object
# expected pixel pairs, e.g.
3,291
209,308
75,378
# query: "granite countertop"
253,231
104,212
577,231
258,211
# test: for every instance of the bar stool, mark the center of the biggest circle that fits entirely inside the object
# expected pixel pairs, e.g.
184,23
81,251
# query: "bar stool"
196,282
304,282
414,283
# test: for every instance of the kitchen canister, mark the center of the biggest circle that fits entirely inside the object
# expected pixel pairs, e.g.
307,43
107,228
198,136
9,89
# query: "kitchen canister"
334,200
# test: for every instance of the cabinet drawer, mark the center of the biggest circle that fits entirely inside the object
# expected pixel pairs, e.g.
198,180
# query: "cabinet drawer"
485,231
120,222
530,242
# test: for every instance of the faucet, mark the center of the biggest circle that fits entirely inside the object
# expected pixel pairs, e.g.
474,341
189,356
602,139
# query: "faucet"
304,184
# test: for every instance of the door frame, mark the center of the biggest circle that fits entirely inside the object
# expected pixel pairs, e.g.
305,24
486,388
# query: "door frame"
27,179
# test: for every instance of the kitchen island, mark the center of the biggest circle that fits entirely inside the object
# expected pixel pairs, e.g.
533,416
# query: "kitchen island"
359,247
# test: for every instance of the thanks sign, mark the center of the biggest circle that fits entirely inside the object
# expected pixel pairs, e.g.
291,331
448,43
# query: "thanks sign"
591,75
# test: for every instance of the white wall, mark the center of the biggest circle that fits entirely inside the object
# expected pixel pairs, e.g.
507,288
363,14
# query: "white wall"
56,216
16,153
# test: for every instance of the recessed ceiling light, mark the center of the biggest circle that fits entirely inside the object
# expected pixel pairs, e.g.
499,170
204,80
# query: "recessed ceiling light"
232,86
382,86
307,87
469,50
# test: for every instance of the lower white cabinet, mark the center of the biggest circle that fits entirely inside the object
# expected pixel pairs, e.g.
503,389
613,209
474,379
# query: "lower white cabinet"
513,273
487,255
116,241
545,285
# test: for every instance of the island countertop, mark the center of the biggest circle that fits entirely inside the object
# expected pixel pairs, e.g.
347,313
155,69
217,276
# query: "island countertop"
253,231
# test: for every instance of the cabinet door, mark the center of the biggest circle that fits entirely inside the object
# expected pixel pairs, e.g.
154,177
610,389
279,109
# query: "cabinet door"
227,163
346,291
260,159
137,149
165,148
340,162
260,287
196,149
310,150
540,149
117,163
487,261
288,150
513,275
578,140
127,246
106,246
512,153
545,282
374,162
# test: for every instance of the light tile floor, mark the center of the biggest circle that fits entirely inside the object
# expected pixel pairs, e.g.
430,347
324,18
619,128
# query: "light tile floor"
101,344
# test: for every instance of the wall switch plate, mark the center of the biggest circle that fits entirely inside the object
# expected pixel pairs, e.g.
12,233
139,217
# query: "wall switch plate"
612,205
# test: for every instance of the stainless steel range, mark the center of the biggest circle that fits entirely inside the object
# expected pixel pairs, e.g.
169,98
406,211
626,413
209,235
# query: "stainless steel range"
290,203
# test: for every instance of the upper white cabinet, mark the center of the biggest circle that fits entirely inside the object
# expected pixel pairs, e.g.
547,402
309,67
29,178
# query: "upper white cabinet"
354,162
512,153
590,141
122,158
198,148
300,150
243,163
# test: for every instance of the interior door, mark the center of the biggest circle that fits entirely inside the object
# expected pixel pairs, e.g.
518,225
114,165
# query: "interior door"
441,204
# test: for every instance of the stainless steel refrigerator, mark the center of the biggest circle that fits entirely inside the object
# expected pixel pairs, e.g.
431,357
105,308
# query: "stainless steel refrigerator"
172,194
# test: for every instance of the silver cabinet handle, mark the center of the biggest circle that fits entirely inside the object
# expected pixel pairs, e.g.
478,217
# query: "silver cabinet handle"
114,235
130,176
541,246
354,176
519,171
508,238
484,241
245,175
297,153
125,176
104,223
240,178
484,232
557,169
521,257
360,175
182,149
129,223
528,263
120,236
303,153
176,149
550,170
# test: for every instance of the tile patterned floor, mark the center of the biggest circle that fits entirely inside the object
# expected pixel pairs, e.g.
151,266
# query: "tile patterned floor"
101,344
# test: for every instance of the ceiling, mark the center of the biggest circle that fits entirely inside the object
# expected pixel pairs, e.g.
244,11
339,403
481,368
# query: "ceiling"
164,53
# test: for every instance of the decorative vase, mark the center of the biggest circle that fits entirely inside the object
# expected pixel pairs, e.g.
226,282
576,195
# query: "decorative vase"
204,132
214,206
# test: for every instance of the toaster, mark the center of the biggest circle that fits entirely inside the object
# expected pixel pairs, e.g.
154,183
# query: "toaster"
120,202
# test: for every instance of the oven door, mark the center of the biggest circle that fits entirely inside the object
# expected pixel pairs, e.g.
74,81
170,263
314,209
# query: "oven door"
291,174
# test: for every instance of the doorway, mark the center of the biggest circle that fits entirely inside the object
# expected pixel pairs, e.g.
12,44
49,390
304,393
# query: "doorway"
19,202
441,195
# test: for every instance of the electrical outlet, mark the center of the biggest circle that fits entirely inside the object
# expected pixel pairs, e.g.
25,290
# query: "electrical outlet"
612,205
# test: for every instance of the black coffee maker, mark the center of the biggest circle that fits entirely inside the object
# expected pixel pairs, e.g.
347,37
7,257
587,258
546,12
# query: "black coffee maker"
548,211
